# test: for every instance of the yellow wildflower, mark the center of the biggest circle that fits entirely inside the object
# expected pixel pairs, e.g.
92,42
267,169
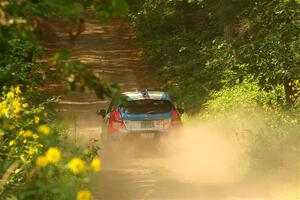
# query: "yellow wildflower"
53,155
36,119
76,165
12,142
41,161
17,106
17,90
32,150
4,111
27,133
96,164
84,195
10,95
25,141
35,136
24,105
21,132
44,129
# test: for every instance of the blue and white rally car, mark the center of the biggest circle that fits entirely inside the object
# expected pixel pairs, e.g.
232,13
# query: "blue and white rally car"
144,113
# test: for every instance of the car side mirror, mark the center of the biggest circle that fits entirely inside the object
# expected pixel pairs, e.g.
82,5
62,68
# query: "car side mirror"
101,112
180,110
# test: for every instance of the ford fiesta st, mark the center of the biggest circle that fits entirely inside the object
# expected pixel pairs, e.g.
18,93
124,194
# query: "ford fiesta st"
148,114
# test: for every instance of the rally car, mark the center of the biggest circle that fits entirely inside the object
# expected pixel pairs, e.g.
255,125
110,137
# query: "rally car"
146,114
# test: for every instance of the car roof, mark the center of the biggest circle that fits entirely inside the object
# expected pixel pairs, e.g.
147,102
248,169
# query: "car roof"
145,94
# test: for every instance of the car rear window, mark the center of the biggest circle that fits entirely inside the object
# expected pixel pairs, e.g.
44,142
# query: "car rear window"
148,106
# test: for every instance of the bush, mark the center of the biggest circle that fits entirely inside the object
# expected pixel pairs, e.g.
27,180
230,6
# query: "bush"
16,66
35,163
245,96
269,133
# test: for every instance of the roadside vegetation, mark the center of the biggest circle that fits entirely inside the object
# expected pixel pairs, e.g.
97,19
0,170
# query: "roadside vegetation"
233,60
36,159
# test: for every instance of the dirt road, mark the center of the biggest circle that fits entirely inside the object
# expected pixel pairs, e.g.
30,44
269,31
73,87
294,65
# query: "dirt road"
141,174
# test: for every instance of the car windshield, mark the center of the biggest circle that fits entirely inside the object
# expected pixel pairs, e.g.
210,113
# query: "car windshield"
148,106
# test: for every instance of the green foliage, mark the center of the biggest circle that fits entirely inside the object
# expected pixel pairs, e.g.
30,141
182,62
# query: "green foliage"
269,132
202,46
32,166
17,24
110,8
16,66
245,96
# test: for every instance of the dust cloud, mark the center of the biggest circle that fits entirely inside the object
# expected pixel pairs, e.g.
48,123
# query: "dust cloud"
210,157
205,153
218,152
